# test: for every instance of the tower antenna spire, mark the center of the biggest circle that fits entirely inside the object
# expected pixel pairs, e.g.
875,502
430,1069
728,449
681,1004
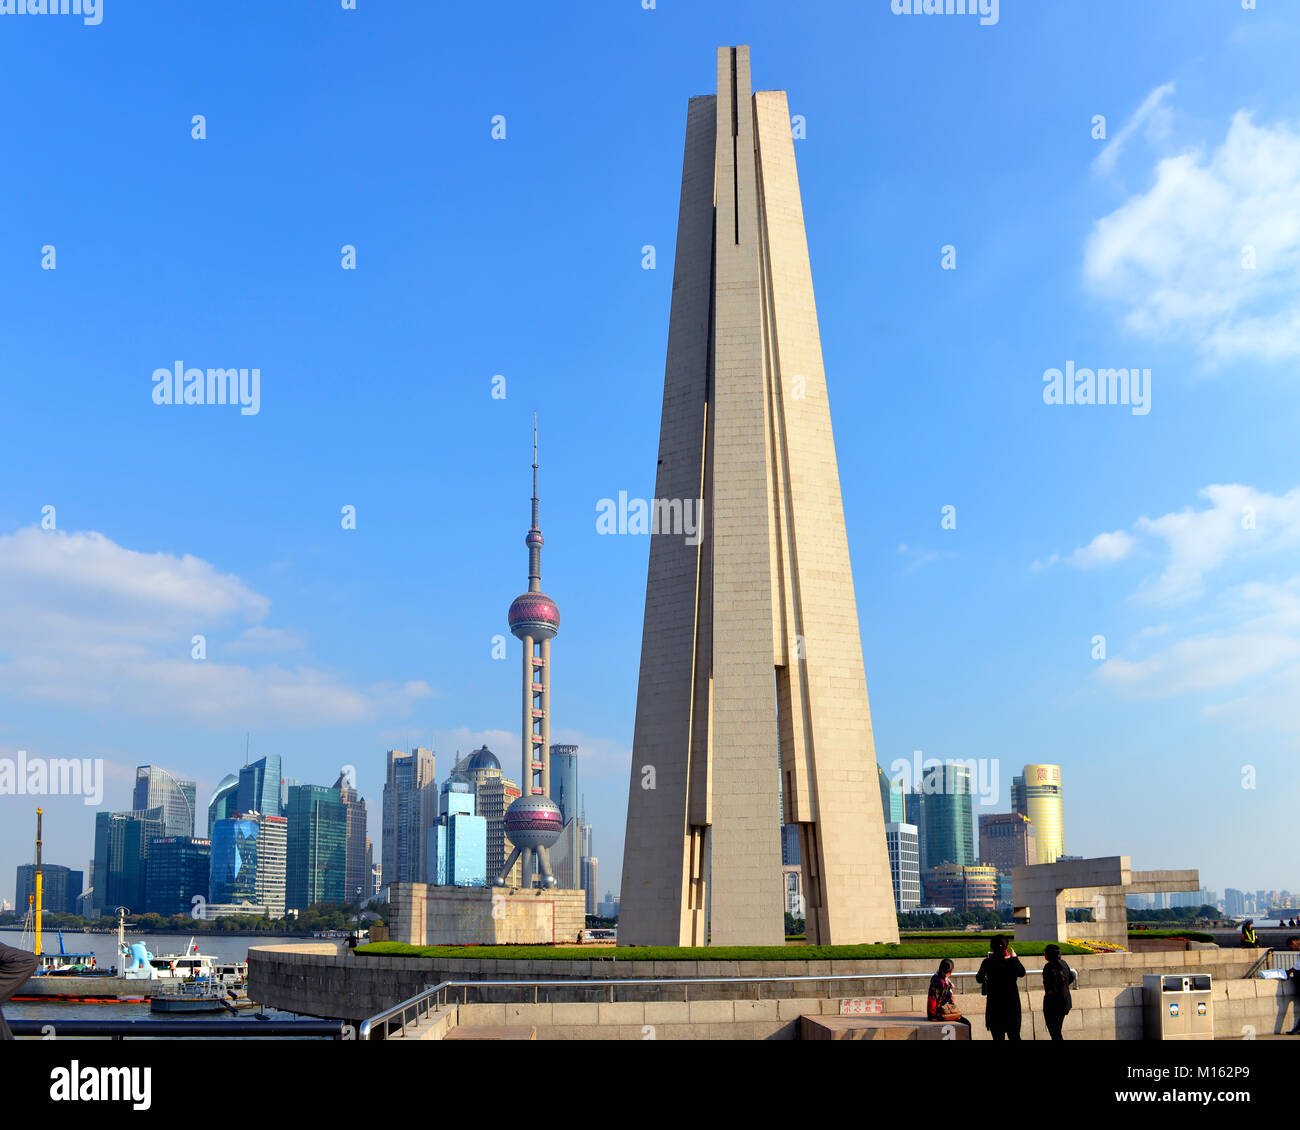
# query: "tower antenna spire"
533,821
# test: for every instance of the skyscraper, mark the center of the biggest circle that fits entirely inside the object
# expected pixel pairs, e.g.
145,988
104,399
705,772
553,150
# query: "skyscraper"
949,835
248,861
356,872
316,848
457,843
60,887
121,847
589,875
891,798
587,859
272,842
751,657
225,801
259,787
410,805
493,794
564,780
1007,841
534,822
963,888
904,864
157,788
177,870
914,814
567,852
1038,796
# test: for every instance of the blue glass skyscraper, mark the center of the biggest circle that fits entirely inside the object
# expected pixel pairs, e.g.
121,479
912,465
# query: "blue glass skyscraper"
233,877
259,787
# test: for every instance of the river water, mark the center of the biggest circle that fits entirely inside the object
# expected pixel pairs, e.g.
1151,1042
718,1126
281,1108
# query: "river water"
225,947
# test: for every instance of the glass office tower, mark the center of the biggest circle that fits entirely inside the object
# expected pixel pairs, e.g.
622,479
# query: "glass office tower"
259,787
157,788
176,871
316,849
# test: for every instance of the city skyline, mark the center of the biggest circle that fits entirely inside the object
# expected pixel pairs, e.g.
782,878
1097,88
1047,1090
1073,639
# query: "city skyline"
1162,540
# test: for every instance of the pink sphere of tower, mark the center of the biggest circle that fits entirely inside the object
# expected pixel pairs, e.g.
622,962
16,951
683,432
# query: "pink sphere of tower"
534,614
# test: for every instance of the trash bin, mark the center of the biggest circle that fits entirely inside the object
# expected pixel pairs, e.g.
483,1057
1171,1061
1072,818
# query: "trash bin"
1177,1006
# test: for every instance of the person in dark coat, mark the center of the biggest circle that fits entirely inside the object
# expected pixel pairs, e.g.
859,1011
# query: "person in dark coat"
1057,980
999,974
15,967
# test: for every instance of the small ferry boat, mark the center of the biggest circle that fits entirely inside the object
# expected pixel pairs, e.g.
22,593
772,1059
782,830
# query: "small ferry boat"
192,996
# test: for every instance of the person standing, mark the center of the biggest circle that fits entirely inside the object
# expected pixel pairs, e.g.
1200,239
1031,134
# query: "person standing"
1293,975
1249,940
15,967
999,973
1058,978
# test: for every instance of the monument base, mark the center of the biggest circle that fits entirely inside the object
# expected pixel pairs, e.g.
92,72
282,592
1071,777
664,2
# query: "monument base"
424,915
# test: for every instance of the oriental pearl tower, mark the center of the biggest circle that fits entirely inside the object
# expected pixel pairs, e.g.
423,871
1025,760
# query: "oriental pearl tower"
534,822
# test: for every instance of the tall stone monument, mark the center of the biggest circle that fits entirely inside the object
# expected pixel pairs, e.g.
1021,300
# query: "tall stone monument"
752,680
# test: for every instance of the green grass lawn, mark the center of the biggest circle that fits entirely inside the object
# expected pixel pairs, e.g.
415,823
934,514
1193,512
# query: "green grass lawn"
702,953
1190,935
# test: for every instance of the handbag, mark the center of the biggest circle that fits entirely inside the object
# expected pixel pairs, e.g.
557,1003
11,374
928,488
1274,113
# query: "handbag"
949,1012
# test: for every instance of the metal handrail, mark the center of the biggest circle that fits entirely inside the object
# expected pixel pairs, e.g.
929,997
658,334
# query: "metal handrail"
1259,963
437,993
206,1029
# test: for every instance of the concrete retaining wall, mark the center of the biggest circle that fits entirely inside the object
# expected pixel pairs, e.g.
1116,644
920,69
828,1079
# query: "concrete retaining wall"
353,987
1241,1009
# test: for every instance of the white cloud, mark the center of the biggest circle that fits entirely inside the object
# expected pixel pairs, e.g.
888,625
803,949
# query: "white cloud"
1267,640
1104,549
1218,635
89,623
1240,522
920,558
1152,114
1173,256
262,639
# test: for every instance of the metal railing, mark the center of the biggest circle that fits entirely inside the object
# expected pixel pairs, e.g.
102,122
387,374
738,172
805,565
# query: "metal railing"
1282,959
205,1029
415,1009
1261,962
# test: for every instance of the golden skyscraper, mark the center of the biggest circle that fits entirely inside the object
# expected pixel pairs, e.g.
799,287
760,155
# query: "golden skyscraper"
751,659
1037,795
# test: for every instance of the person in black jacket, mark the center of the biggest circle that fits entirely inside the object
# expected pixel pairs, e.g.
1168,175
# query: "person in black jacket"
1057,980
999,973
15,967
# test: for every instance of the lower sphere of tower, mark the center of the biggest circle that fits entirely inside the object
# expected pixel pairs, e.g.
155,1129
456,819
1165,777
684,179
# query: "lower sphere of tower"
534,822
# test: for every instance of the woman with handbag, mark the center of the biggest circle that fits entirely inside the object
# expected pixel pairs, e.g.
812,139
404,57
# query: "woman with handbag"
999,974
939,1004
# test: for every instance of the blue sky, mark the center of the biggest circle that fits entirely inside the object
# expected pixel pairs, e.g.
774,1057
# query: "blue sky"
522,258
